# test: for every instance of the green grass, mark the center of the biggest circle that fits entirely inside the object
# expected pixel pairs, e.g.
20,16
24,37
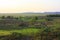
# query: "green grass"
28,31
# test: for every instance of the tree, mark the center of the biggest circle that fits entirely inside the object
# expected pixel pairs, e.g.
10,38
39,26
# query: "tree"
3,17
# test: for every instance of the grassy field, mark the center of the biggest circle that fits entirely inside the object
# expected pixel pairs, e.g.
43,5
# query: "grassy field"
27,31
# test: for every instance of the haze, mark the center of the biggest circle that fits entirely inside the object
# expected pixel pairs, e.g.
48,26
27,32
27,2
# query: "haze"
17,6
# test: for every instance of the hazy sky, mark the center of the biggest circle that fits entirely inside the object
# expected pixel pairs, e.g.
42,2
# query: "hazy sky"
14,6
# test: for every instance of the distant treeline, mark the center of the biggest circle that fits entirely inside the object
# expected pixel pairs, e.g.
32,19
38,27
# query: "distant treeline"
55,15
11,17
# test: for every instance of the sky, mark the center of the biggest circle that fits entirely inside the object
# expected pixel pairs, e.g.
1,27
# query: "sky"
17,6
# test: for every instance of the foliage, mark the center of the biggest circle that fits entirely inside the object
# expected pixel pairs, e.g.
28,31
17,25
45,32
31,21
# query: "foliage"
30,27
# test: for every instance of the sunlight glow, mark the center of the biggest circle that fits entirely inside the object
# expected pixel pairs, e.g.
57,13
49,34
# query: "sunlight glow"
14,6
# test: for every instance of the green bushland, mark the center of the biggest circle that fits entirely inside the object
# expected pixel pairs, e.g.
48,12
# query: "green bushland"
30,27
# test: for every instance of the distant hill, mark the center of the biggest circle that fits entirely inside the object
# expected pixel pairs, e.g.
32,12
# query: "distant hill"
52,12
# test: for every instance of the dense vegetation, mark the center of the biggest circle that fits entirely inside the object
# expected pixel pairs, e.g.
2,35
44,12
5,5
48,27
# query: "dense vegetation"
30,27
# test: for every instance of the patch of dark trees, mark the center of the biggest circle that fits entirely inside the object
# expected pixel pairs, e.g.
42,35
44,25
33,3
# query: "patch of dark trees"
54,15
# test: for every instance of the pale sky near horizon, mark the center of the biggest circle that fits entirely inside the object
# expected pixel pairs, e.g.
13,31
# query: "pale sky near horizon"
16,6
